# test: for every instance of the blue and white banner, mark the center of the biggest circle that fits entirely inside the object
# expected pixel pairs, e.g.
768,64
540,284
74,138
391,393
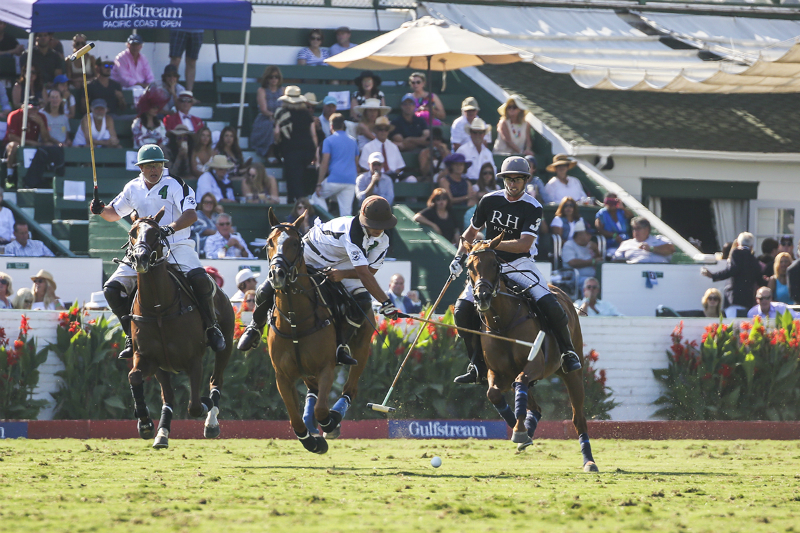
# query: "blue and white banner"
447,429
13,430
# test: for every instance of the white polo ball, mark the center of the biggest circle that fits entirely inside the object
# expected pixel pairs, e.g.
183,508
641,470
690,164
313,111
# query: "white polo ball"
436,462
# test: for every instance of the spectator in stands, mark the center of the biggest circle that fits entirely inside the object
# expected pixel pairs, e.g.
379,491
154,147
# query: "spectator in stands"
225,244
338,168
475,151
206,223
103,87
74,70
245,281
169,86
778,282
487,182
228,145
712,303
44,292
561,184
61,84
513,131
469,112
270,90
97,302
203,151
452,180
6,222
725,252
46,60
374,181
5,110
535,186
793,279
440,217
786,245
5,291
258,187
302,205
566,218
24,246
367,85
315,54
766,307
23,299
57,121
342,41
147,128
249,302
103,132
216,180
8,43
180,151
430,168
743,272
423,101
591,305
37,133
407,303
189,41
328,108
18,91
184,114
644,247
369,112
769,249
410,133
56,45
297,135
610,222
581,252
393,160
131,67
311,105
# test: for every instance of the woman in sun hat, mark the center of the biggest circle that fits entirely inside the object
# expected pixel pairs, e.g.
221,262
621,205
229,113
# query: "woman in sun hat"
370,110
44,292
513,131
296,135
368,87
216,180
562,185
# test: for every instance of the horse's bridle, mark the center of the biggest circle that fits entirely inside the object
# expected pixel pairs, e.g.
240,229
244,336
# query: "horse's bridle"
156,255
280,260
484,282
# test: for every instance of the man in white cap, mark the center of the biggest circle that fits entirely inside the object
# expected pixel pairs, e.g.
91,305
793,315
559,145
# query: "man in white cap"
245,281
183,115
469,112
131,67
375,181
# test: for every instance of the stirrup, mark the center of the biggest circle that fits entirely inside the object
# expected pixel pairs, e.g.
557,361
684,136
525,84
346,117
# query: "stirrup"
127,352
471,377
570,362
343,356
215,338
250,338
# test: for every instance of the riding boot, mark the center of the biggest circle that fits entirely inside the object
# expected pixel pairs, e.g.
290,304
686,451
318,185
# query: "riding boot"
120,306
343,354
466,317
265,300
204,289
559,325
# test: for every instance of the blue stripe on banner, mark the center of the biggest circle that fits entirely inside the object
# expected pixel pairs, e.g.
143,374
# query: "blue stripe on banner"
447,429
13,430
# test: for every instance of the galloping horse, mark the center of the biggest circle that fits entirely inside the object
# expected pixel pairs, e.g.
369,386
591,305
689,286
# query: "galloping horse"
302,340
168,334
508,314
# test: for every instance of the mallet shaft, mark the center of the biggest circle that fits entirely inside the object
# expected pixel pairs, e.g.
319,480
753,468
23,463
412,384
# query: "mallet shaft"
476,332
81,53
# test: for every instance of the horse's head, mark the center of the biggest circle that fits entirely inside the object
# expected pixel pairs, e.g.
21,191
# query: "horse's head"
483,269
145,247
284,251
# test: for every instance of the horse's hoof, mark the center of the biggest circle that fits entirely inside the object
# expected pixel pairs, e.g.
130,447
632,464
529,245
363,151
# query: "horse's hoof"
518,437
522,445
146,429
590,467
333,434
211,429
321,445
162,439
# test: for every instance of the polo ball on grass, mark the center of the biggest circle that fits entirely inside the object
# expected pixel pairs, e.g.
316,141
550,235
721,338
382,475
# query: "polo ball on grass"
436,462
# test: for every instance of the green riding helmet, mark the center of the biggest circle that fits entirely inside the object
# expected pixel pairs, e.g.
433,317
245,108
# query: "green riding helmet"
150,153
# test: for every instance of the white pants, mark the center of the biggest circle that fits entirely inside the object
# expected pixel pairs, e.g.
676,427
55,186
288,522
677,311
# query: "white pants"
353,286
524,271
182,254
344,192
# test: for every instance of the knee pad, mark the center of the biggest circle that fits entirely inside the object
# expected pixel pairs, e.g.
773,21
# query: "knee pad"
118,303
363,299
265,294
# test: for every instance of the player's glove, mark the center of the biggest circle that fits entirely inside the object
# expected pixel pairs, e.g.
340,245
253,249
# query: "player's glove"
166,231
389,310
456,266
96,207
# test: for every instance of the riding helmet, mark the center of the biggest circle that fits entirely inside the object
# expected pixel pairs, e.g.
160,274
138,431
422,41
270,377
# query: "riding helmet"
514,165
150,153
376,213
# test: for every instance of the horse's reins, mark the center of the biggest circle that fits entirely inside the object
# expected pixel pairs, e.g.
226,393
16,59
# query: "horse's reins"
493,289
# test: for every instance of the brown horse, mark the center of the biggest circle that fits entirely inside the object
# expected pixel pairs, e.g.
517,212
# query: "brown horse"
508,314
302,341
168,334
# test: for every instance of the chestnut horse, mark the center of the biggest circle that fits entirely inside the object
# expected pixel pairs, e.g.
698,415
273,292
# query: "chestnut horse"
168,334
302,340
505,313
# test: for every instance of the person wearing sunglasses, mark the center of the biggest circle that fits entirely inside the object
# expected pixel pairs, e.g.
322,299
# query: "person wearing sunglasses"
44,292
513,130
225,243
74,71
314,54
104,88
767,308
469,112
591,305
131,67
5,291
262,135
712,303
743,273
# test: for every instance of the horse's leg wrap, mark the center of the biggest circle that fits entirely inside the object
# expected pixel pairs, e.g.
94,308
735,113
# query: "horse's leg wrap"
559,325
308,413
520,399
531,421
586,448
204,288
121,307
331,423
312,443
265,300
506,413
215,396
342,405
166,417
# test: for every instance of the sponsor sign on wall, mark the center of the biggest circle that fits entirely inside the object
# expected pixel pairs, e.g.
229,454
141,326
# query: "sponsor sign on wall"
13,430
447,429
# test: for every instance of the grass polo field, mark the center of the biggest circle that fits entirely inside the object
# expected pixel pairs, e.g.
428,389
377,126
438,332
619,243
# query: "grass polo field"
389,485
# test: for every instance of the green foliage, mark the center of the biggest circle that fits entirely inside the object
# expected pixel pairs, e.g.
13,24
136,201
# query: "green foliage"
19,375
744,372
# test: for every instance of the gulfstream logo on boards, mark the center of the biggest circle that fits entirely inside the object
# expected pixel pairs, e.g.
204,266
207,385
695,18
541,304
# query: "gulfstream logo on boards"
141,16
446,429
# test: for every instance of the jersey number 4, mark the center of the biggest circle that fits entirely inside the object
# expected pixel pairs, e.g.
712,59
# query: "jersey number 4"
163,192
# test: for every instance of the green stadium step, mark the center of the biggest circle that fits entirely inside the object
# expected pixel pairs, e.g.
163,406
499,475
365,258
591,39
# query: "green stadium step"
76,232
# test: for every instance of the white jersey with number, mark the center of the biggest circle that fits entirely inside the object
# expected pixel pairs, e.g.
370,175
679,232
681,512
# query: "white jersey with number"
172,194
343,244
